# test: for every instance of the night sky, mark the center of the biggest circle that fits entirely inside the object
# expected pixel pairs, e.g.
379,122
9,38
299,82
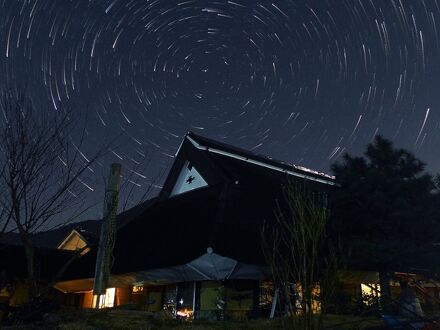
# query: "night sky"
301,81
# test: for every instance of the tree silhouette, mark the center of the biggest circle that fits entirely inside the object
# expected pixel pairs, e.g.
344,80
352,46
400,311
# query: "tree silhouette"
292,246
384,211
41,171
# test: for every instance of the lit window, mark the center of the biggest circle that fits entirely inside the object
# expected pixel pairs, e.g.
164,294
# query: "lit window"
185,313
105,300
138,289
370,293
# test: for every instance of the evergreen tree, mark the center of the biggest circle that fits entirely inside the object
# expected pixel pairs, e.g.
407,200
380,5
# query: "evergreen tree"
384,212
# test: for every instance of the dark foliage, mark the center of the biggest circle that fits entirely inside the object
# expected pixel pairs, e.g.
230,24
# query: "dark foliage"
385,213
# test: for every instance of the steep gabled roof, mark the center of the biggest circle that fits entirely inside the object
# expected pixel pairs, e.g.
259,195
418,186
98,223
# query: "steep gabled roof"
50,239
88,229
227,214
226,150
220,163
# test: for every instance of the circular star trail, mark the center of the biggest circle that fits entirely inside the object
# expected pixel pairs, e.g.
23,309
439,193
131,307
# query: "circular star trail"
302,81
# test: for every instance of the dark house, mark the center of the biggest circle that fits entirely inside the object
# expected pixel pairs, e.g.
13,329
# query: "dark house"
196,247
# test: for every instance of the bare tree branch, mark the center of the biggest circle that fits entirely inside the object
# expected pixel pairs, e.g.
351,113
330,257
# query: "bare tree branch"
42,169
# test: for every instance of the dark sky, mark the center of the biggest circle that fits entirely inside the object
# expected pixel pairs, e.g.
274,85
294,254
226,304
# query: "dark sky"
301,81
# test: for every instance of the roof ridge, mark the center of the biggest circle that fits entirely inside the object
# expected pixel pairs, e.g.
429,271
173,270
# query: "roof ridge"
258,158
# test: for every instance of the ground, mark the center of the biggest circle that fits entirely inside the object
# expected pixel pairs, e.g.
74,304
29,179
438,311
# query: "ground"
114,319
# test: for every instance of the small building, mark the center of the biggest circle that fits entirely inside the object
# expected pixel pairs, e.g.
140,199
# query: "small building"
196,248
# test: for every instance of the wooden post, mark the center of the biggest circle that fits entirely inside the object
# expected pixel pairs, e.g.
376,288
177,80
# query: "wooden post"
194,300
274,303
107,234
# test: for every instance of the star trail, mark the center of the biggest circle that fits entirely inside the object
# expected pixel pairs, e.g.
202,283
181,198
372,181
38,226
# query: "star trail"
299,80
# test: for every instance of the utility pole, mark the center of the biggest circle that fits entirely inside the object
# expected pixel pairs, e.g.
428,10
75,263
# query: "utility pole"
107,234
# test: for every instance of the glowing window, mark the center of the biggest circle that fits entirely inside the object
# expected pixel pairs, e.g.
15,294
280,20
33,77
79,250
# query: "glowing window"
370,293
138,289
105,300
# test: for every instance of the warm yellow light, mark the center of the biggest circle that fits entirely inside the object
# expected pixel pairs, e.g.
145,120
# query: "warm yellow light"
138,289
187,313
370,291
105,300
110,294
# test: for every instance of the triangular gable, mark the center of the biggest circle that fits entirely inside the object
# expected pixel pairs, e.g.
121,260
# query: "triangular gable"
188,179
195,165
73,242
197,160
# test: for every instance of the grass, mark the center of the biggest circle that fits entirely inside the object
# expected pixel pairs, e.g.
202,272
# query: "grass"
128,320
114,319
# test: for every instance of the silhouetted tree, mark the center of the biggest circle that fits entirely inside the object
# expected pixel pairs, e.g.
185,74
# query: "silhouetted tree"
292,247
384,212
41,171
